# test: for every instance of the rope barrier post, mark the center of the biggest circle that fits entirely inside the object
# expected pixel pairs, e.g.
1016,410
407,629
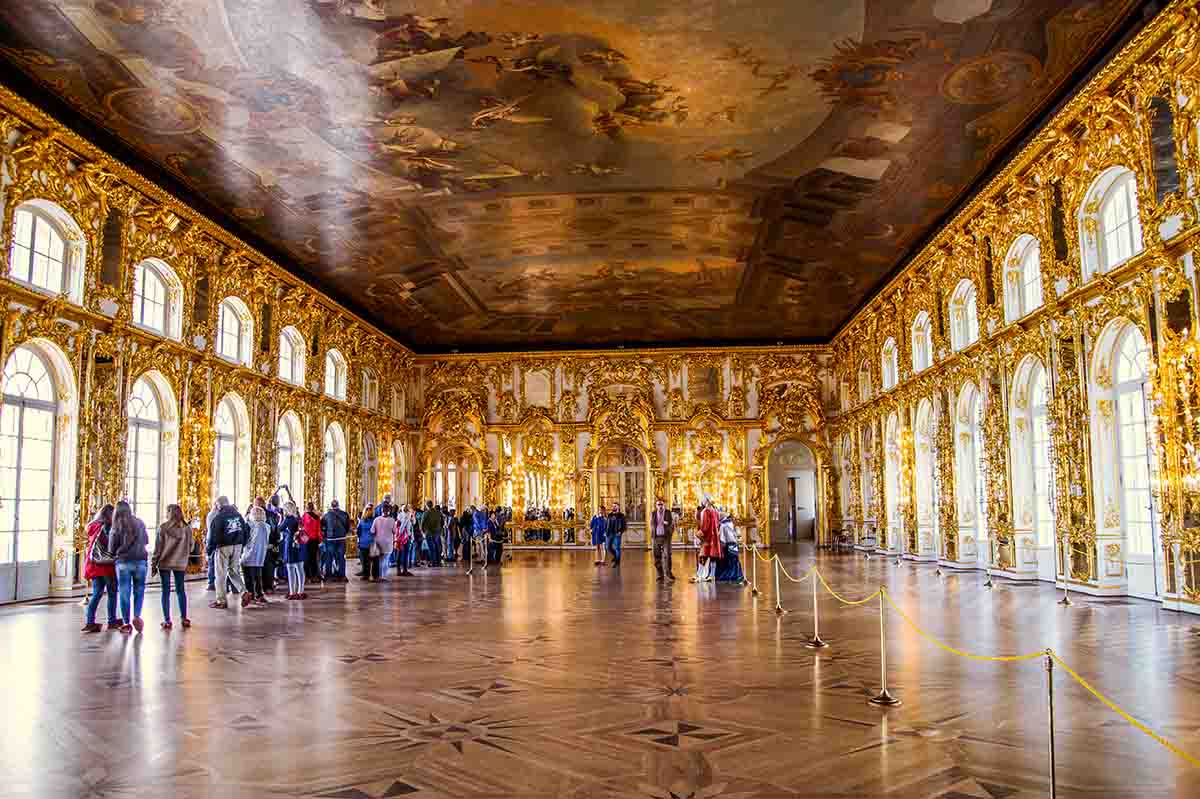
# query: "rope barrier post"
1050,720
883,698
1066,600
754,568
778,599
815,642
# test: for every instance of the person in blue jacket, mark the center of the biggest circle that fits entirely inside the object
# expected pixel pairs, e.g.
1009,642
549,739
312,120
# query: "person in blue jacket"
366,537
599,525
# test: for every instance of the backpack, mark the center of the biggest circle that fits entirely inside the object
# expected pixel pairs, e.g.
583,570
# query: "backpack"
99,553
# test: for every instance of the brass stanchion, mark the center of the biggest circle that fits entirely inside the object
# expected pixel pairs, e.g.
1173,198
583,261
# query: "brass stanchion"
754,568
778,600
815,642
1050,719
883,698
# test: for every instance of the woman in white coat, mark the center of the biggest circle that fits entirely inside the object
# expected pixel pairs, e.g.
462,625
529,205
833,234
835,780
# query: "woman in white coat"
384,530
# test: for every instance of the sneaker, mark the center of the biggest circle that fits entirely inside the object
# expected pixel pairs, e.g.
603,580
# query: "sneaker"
90,628
302,595
218,605
246,599
113,625
126,629
290,596
166,625
186,622
138,625
261,600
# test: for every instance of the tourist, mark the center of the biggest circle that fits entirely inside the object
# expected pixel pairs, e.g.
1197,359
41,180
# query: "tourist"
613,530
364,539
466,525
418,538
295,550
128,540
226,537
378,509
336,527
310,538
172,547
101,569
662,527
405,524
710,543
254,554
383,532
212,565
271,561
729,569
599,525
453,535
431,527
495,538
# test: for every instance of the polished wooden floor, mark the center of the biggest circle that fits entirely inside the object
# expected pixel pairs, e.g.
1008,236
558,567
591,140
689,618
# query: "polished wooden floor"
560,679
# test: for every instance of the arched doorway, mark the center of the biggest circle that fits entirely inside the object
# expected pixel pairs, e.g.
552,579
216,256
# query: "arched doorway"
370,485
151,451
621,480
454,479
792,488
927,499
891,483
37,414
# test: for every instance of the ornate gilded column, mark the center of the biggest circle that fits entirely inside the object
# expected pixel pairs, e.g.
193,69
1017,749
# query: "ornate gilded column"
907,483
1070,454
196,440
996,477
944,455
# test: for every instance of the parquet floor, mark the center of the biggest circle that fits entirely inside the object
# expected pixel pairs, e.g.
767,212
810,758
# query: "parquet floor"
560,679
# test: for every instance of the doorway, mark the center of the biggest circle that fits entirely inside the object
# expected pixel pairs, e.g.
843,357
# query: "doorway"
792,482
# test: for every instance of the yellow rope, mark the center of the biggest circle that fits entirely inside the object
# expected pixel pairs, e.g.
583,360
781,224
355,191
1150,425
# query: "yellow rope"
762,556
807,574
1113,706
950,649
841,598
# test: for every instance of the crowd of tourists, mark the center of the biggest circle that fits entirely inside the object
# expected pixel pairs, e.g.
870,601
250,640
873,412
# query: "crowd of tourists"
273,542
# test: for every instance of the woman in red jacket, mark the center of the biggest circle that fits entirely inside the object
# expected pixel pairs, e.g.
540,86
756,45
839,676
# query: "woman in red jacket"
310,526
103,574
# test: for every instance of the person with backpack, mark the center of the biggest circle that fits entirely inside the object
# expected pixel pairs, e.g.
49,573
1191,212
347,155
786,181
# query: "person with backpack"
101,569
369,563
226,536
431,528
336,526
310,539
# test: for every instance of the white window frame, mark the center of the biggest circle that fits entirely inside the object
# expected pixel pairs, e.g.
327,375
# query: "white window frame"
62,226
232,307
292,369
336,369
964,315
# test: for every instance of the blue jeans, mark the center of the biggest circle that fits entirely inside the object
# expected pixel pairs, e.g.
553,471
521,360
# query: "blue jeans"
333,559
614,546
180,593
100,585
131,579
212,574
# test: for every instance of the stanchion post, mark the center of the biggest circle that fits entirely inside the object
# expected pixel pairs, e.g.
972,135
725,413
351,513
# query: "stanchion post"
815,642
883,698
754,568
1050,720
778,599
1066,600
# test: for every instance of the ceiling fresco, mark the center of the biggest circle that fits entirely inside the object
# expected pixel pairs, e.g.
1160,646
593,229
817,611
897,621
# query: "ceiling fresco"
483,174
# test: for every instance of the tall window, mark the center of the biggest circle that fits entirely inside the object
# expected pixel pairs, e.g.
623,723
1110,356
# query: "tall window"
1110,230
1022,278
922,342
1130,385
370,488
335,465
289,456
27,433
864,382
891,476
964,316
890,364
1043,476
149,298
39,251
228,465
980,476
370,396
335,375
397,403
399,474
291,356
143,455
234,333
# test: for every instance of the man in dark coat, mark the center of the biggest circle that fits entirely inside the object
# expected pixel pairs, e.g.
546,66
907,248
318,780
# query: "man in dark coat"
613,531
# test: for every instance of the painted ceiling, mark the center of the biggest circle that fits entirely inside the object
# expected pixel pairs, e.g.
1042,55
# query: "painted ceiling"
484,174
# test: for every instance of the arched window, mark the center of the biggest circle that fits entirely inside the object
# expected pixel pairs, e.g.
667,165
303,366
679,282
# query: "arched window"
864,381
924,477
370,397
370,487
964,316
289,456
335,465
47,249
235,331
399,474
922,342
397,403
27,484
1110,230
969,474
291,356
157,298
1033,480
335,375
144,455
891,477
1022,278
232,457
890,365
1130,372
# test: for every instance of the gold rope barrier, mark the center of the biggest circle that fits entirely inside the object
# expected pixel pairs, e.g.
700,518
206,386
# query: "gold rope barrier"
1122,713
952,650
841,598
807,574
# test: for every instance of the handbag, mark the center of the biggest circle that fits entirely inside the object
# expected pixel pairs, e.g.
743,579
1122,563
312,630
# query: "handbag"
99,553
